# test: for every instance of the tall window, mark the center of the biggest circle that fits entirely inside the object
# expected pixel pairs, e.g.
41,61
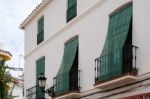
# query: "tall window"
72,9
67,76
116,57
40,68
40,34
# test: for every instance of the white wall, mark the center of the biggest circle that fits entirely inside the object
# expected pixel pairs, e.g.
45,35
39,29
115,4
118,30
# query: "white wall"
92,29
141,34
17,91
55,19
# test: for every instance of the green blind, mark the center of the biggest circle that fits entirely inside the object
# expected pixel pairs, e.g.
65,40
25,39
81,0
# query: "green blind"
72,9
111,56
71,3
41,25
40,68
62,78
40,34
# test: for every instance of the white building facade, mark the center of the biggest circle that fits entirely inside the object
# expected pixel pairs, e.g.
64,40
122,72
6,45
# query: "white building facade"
88,49
16,88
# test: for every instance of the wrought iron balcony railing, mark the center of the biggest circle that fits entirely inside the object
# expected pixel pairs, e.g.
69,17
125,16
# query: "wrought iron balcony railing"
32,92
74,83
128,64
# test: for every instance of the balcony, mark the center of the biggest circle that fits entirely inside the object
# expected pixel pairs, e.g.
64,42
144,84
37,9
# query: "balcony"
74,87
107,77
32,93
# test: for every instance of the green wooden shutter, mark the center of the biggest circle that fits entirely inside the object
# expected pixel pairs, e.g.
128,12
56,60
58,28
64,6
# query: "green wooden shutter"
40,68
111,56
62,78
71,3
40,34
72,9
41,25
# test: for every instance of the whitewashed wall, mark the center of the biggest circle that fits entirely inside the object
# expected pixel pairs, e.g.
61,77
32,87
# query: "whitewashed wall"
141,33
91,25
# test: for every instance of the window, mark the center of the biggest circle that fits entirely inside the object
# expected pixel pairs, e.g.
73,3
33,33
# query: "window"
72,9
40,34
40,68
117,51
67,76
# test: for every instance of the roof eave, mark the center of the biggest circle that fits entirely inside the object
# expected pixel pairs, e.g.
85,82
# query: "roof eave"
38,8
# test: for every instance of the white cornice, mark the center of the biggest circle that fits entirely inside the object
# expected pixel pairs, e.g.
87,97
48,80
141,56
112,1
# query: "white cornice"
38,8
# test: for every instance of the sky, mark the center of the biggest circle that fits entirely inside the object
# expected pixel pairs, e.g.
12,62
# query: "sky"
12,13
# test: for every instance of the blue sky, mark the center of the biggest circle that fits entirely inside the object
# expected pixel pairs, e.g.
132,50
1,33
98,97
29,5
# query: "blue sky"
12,13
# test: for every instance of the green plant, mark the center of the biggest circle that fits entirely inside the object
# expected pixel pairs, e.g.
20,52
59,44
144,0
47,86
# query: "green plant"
5,79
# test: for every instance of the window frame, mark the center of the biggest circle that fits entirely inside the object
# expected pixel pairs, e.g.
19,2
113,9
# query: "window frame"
40,32
68,18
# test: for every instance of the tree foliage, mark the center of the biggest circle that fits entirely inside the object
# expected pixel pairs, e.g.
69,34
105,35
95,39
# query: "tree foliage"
5,79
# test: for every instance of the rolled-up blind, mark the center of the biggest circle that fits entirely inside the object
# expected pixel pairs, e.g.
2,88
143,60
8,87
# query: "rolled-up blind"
111,56
62,78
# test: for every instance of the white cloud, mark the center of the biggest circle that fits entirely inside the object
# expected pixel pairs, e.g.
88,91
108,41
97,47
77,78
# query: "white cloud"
13,12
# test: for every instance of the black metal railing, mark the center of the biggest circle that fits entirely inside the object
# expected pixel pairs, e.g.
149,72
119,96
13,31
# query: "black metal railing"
128,64
74,83
33,93
71,12
129,59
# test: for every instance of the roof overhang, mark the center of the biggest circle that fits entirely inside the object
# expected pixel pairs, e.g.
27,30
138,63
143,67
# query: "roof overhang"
38,8
5,55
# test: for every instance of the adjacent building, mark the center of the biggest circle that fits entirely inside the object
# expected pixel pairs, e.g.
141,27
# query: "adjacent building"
88,49
16,88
